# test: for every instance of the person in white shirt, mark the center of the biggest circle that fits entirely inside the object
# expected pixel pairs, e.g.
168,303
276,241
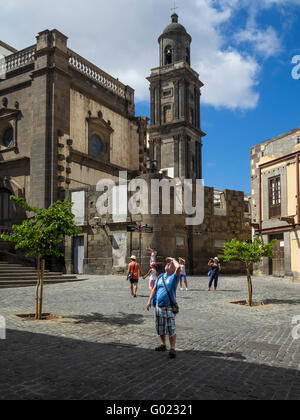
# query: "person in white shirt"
153,253
152,273
183,278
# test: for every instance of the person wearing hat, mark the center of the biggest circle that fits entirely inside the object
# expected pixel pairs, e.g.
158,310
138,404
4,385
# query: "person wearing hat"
215,269
133,272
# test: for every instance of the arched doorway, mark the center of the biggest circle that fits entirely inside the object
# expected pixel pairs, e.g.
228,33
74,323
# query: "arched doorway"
5,208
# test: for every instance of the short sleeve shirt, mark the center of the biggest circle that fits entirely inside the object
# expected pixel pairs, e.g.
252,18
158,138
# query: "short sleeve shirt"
162,298
134,268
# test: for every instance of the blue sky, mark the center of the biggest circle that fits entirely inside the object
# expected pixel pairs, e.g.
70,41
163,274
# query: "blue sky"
242,50
231,132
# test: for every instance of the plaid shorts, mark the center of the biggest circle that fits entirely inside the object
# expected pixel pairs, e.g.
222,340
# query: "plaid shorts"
165,321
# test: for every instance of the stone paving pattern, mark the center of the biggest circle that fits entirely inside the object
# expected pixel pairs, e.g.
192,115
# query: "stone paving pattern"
102,348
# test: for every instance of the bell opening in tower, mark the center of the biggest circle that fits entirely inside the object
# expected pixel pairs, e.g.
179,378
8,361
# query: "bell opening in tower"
188,56
168,55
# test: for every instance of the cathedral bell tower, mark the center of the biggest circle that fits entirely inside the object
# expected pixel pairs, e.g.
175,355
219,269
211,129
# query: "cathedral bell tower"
175,135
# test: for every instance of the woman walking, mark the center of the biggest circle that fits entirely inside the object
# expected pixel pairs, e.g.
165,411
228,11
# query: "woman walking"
215,269
133,272
152,273
183,278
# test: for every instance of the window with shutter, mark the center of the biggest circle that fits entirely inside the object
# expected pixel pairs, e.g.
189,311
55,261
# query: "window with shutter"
275,197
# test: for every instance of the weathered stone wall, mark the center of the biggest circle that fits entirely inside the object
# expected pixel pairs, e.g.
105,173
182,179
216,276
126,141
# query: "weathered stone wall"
52,103
124,143
170,236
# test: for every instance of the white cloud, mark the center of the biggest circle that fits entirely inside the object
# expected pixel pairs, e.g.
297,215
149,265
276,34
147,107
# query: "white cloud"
265,42
121,38
231,79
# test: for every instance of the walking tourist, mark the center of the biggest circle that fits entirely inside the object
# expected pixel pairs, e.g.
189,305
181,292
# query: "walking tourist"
183,278
133,272
215,269
152,274
164,293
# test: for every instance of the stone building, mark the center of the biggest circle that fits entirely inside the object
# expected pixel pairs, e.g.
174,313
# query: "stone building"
276,202
65,125
175,143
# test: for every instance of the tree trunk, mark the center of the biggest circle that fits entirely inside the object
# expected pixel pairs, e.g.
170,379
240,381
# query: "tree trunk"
42,290
38,287
249,280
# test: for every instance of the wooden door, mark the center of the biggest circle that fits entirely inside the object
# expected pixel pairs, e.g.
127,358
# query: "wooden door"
277,266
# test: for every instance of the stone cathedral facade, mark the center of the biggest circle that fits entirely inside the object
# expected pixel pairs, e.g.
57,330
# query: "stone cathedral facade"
65,125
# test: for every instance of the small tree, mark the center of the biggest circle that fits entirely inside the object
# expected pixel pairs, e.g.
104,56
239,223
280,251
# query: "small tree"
249,253
41,235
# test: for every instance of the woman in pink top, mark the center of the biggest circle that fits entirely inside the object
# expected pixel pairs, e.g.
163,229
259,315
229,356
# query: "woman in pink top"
152,273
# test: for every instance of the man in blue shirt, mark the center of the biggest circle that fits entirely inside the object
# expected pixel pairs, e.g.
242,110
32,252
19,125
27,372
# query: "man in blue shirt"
165,317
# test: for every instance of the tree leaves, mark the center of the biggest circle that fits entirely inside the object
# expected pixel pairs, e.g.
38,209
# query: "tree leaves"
252,252
249,253
44,232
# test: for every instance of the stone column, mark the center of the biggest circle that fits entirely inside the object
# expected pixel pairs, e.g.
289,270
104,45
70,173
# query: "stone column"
183,156
151,150
50,92
287,255
188,146
176,100
197,107
187,101
199,159
182,99
157,106
152,104
176,156
157,153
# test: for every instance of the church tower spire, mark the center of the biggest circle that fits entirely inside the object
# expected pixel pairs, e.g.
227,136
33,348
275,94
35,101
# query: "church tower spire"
175,133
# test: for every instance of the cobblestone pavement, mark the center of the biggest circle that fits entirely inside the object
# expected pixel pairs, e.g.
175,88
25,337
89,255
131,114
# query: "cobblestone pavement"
102,348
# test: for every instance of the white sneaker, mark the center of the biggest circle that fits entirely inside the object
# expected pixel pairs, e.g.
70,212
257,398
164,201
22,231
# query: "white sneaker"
187,289
181,288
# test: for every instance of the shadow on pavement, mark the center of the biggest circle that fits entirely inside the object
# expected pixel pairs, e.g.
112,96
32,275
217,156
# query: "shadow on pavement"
281,302
40,367
122,320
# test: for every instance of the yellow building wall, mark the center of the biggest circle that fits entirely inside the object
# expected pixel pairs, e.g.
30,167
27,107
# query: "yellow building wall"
295,254
292,189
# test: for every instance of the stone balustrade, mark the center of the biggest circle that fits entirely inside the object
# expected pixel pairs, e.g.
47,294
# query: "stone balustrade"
97,75
18,60
28,55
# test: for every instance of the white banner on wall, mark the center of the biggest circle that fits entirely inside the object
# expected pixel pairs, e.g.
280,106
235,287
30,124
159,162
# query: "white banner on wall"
78,209
119,249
